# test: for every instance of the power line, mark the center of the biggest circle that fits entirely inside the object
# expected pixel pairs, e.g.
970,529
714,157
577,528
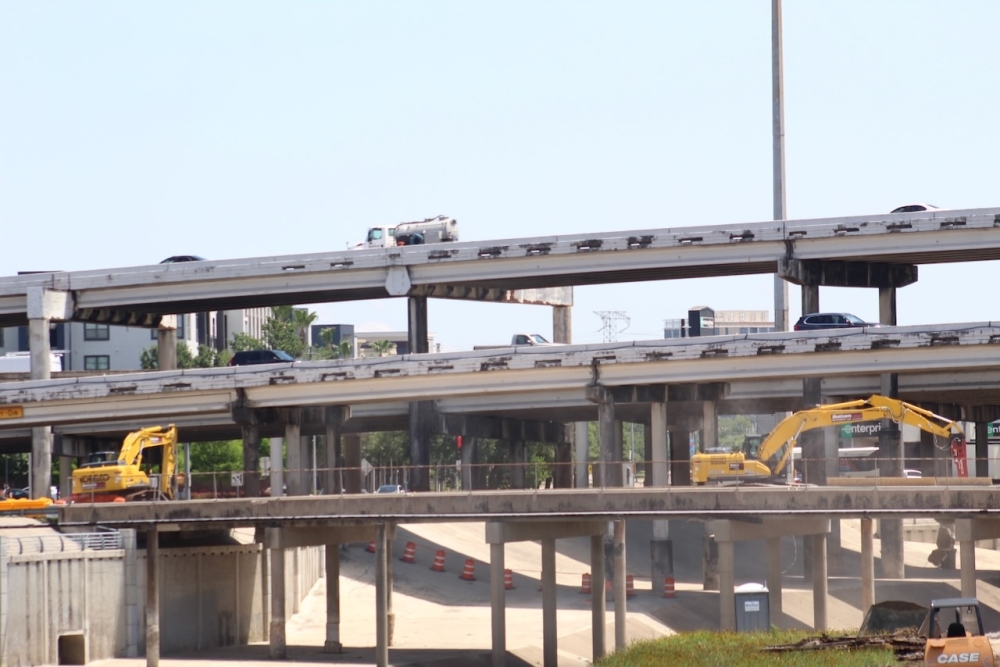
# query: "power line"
613,323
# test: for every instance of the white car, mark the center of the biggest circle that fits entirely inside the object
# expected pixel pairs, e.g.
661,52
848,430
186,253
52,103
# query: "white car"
916,208
912,474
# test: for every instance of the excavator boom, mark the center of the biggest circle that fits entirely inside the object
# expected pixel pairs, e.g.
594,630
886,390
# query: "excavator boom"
776,448
105,480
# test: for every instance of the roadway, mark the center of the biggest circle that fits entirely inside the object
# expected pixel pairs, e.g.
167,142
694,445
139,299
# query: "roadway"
939,499
492,269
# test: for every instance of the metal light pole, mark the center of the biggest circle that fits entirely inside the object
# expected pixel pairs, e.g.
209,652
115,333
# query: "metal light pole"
778,132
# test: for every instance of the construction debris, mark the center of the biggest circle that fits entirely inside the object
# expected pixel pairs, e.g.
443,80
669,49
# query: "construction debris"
905,644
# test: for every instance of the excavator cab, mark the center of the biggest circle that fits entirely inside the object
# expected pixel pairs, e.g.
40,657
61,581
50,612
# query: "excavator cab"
955,634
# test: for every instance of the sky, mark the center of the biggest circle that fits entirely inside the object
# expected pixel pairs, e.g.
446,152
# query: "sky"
130,132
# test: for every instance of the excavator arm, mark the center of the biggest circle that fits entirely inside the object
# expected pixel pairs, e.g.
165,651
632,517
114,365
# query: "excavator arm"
777,446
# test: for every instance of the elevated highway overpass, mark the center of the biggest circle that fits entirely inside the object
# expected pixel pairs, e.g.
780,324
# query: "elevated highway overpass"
864,251
519,375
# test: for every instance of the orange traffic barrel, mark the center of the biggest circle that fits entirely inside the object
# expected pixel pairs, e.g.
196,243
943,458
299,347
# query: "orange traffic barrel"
508,579
668,587
438,565
371,547
409,554
585,584
469,571
629,586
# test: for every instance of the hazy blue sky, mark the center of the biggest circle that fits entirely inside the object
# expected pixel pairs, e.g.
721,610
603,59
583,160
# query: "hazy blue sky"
132,131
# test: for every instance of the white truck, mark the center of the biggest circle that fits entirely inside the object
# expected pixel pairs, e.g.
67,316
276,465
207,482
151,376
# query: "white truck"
441,229
20,362
519,340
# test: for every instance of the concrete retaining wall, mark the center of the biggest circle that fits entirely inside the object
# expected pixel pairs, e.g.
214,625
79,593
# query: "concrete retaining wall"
95,600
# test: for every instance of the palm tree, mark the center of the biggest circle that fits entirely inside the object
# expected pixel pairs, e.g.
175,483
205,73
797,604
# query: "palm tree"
302,318
282,313
344,350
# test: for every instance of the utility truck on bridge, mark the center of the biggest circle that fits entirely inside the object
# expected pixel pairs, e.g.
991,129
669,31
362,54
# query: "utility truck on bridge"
441,229
766,459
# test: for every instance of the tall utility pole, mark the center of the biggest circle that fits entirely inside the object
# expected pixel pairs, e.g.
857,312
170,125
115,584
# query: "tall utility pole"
611,327
778,132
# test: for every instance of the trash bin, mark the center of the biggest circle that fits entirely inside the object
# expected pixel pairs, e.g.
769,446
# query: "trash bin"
753,611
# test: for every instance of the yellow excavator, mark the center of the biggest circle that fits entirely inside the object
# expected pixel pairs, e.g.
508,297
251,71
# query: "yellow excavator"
765,459
107,477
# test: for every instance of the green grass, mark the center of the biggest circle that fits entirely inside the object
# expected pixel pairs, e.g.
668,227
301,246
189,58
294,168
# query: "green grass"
729,649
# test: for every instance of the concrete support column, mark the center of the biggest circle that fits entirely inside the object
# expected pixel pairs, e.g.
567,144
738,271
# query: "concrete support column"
606,430
867,566
469,446
353,475
66,477
251,458
967,556
727,585
498,604
277,467
819,582
277,648
890,452
41,436
660,548
710,425
710,563
926,455
619,585
562,324
982,449
332,643
598,598
810,299
166,343
333,418
421,414
131,592
420,446
295,482
647,455
581,446
550,648
774,578
152,598
680,457
517,464
381,596
656,471
563,477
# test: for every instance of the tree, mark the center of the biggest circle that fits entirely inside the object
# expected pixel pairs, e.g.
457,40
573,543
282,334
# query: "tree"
302,319
243,342
381,347
733,429
207,357
281,335
218,456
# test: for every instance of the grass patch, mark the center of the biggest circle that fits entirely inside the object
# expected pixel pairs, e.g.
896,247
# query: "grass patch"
729,649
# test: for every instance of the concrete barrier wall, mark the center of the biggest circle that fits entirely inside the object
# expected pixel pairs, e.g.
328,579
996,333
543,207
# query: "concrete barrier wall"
95,600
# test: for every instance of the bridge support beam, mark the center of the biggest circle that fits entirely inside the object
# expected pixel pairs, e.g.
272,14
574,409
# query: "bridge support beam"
518,463
607,430
166,343
152,598
43,306
890,443
354,477
661,550
775,585
581,454
967,533
469,446
332,557
867,567
382,596
499,533
420,411
250,430
277,647
334,417
619,584
982,449
296,480
728,532
598,601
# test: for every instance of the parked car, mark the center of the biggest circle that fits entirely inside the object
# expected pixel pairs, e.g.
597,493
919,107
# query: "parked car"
390,488
183,258
915,208
912,474
19,493
250,357
816,321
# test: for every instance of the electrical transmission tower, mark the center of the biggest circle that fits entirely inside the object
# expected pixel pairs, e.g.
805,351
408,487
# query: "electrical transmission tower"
614,322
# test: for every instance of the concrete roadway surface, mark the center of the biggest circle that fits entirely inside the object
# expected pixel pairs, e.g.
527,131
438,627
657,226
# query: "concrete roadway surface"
444,621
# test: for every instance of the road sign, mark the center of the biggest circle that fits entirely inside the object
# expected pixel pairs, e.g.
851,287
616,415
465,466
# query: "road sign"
237,479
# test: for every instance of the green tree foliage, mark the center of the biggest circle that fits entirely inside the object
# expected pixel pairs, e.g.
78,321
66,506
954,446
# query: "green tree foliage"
381,347
733,429
303,319
243,342
207,357
281,335
218,456
15,470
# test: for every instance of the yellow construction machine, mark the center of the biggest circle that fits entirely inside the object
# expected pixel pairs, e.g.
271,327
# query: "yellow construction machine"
106,477
964,641
765,459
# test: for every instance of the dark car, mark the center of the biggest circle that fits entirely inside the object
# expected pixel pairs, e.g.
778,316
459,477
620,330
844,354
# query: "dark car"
183,258
249,357
815,321
18,493
390,488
